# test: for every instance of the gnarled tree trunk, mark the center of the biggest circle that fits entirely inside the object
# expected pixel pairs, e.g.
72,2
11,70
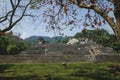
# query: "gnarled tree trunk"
117,16
115,24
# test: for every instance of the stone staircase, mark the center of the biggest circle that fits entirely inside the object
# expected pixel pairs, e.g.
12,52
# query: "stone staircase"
87,52
35,49
96,49
59,49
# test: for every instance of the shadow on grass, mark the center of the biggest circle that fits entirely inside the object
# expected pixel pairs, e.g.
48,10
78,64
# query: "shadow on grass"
96,75
4,67
21,78
33,77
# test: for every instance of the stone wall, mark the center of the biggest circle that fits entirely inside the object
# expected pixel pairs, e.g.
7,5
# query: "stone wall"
63,53
108,57
75,49
58,58
42,58
49,49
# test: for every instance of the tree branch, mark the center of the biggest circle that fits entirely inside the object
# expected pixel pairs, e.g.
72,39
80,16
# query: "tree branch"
12,24
101,12
4,18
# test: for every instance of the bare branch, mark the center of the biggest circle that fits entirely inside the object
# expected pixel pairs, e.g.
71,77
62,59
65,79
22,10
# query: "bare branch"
98,10
4,18
11,1
12,24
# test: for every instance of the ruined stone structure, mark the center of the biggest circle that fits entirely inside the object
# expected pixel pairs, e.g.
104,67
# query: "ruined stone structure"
73,41
89,51
60,49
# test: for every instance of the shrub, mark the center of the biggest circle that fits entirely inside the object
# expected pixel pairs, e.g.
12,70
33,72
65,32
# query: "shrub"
11,45
116,46
12,49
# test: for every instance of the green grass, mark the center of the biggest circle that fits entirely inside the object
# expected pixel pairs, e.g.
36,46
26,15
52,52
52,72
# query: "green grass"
73,71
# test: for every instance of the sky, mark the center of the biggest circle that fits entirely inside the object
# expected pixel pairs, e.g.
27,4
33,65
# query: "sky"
26,27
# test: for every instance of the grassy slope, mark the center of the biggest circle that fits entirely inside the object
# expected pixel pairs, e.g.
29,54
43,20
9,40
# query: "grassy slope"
73,71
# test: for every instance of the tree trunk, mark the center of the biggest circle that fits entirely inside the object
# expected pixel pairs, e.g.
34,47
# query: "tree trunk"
115,25
117,30
117,16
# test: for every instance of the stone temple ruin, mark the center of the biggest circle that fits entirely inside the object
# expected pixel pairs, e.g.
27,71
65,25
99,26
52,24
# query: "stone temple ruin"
58,53
91,47
86,48
73,46
74,51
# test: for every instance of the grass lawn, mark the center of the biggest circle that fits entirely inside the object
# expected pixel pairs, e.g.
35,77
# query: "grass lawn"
56,71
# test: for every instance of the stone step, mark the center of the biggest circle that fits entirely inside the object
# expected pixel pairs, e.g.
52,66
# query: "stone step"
42,58
96,48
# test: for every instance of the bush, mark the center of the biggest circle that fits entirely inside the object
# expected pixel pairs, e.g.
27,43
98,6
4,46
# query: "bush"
3,44
116,46
12,49
11,45
103,40
101,36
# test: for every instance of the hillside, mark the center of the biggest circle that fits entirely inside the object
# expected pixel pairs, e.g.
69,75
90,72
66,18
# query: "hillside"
34,39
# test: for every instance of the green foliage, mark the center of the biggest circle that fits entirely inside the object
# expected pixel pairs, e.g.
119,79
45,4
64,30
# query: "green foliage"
57,39
33,3
73,71
3,44
102,37
78,35
65,40
116,46
103,40
12,49
11,45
